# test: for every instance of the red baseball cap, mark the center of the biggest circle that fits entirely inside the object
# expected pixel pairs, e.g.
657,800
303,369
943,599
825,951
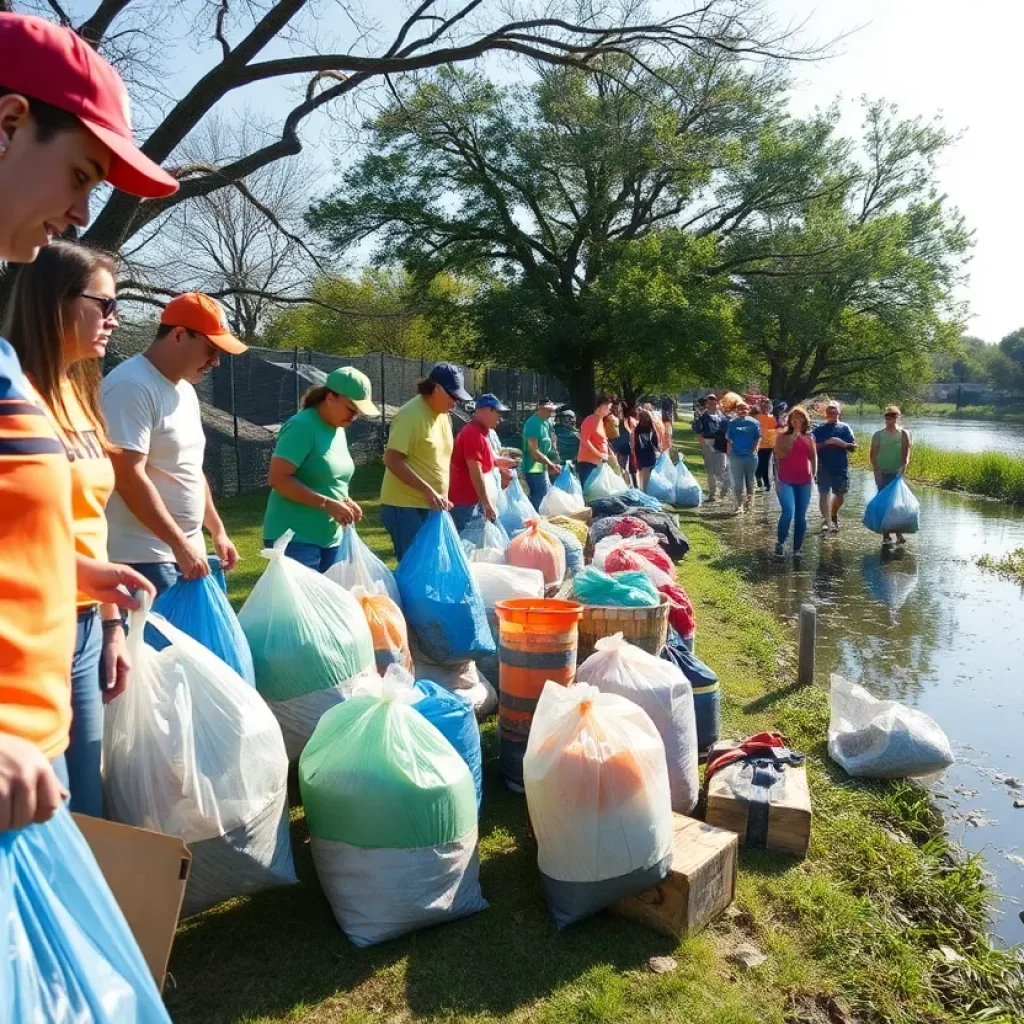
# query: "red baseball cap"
197,312
52,64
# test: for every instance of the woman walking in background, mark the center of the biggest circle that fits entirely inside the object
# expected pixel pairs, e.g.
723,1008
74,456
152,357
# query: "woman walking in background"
796,466
63,311
622,446
312,468
890,456
646,445
766,446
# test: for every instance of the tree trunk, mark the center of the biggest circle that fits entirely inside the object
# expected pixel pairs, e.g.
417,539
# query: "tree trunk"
582,389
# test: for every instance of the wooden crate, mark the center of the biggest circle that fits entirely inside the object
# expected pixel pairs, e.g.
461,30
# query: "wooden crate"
701,885
789,808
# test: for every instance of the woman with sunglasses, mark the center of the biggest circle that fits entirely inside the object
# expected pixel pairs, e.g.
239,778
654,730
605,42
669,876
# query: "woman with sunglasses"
312,468
63,311
890,456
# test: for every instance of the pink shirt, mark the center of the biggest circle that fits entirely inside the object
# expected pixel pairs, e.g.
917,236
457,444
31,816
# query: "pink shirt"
795,467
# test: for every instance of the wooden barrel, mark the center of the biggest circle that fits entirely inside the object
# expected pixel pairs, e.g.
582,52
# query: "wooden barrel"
538,639
646,628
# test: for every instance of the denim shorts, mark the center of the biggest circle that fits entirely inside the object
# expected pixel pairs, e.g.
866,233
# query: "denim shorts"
837,481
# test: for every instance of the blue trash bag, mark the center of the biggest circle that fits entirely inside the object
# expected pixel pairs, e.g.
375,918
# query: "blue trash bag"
688,492
484,541
514,507
201,609
707,696
574,560
442,603
662,484
68,954
568,481
894,509
456,721
637,499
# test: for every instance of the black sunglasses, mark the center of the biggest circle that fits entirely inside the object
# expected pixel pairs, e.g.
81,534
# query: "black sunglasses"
108,306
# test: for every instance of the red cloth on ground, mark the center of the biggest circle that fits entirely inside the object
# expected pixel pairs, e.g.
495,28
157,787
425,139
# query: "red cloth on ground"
630,526
680,615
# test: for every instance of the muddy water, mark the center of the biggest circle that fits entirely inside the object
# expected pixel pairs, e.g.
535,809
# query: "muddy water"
925,625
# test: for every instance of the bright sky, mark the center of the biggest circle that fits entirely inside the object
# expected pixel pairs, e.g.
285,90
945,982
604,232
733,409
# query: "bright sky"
931,56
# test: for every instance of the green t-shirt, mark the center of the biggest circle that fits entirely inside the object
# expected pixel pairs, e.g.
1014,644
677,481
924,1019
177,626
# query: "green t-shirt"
425,439
323,463
539,429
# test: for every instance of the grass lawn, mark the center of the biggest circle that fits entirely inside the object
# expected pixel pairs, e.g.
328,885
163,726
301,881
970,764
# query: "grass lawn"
878,924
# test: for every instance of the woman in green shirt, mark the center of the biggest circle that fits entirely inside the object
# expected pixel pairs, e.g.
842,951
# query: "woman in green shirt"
890,455
311,469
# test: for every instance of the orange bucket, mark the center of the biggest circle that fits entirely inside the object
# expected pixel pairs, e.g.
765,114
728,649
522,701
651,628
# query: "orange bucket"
538,638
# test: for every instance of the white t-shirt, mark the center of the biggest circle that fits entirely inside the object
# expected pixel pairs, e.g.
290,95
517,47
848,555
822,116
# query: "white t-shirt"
146,413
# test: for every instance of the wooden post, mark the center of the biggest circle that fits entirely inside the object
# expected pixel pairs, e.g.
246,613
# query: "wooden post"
808,638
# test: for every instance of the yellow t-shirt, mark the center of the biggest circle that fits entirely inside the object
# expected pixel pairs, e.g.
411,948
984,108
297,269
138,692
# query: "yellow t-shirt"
425,439
92,481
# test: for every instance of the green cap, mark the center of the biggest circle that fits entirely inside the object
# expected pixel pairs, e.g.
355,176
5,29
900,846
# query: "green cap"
354,385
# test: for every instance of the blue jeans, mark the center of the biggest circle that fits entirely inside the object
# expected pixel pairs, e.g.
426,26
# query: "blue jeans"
163,575
583,470
537,484
794,499
86,741
461,514
402,525
310,555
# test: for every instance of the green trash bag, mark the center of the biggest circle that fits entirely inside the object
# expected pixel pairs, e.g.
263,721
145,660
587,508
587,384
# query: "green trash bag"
619,589
392,816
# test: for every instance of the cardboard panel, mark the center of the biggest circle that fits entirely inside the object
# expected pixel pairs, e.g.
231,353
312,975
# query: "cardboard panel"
147,873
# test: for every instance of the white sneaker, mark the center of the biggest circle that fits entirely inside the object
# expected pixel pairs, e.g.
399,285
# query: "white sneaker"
825,526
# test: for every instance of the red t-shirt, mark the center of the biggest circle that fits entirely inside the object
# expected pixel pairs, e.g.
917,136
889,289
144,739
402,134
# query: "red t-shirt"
795,468
472,443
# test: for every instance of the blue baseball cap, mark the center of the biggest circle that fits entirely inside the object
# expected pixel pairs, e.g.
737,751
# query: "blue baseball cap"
451,378
491,401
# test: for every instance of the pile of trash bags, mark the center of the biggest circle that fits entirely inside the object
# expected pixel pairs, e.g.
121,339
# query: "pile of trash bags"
392,818
662,690
565,495
308,638
894,509
600,805
68,952
191,750
662,482
201,609
358,566
537,548
883,739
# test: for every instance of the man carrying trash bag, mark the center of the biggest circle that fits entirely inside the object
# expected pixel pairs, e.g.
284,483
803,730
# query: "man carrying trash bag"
473,488
417,460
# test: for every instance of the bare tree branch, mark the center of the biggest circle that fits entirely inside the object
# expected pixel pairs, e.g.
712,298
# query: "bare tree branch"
218,32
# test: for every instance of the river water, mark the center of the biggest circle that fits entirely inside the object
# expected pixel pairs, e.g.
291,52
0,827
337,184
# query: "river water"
924,625
952,435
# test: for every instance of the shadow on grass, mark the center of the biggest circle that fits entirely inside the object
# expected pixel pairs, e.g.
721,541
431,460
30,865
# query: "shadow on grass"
771,698
281,951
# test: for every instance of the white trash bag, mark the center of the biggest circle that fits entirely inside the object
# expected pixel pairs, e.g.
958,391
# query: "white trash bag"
661,689
883,739
358,566
192,750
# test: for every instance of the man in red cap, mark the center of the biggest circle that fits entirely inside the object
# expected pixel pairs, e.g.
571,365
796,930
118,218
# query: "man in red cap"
64,128
162,501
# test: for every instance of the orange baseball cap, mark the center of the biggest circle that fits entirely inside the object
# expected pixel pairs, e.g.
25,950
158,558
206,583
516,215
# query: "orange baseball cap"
197,312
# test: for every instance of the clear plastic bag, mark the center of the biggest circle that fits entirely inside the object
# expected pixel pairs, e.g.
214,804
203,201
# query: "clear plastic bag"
443,608
565,495
514,507
392,818
484,541
358,566
894,509
387,628
883,739
603,483
191,750
662,482
597,788
623,590
536,548
634,554
69,956
308,637
664,692
201,609
688,493
501,582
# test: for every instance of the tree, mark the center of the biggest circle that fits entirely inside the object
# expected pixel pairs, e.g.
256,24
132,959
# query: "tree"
547,188
858,293
241,241
233,40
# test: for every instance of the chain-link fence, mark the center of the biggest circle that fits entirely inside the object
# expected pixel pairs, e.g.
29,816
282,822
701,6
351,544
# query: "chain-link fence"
246,399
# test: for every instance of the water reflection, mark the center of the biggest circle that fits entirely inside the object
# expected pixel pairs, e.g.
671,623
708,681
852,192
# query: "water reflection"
925,625
954,435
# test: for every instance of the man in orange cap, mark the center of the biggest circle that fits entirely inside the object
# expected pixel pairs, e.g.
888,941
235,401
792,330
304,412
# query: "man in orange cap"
64,128
162,500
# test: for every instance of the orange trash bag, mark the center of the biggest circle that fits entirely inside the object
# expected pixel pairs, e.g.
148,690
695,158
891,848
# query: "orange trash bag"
387,628
536,548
